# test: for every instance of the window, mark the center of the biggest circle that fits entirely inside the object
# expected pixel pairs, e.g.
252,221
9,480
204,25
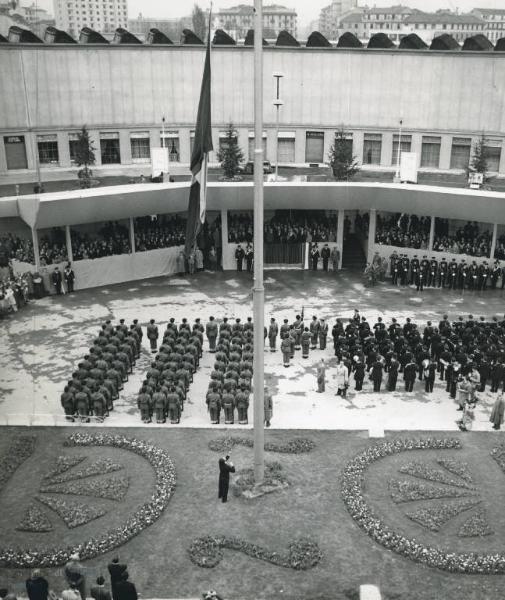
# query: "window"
109,148
405,145
72,146
314,147
493,153
430,152
15,152
372,146
251,145
140,146
460,152
48,149
171,141
286,147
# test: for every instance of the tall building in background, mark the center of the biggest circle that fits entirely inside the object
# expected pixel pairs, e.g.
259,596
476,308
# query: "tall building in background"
104,16
495,19
237,20
331,14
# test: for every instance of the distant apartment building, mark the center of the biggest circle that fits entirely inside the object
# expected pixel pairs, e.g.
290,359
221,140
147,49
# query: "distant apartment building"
495,21
104,16
399,21
331,14
237,20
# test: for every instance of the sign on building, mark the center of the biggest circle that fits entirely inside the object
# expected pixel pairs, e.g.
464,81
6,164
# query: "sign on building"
159,161
408,167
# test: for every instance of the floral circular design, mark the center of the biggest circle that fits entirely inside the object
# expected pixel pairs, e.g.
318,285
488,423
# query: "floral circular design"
144,516
352,490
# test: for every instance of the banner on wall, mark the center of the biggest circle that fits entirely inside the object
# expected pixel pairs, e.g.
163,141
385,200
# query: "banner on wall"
408,167
159,161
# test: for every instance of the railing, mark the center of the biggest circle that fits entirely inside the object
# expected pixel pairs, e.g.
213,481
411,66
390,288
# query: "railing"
279,254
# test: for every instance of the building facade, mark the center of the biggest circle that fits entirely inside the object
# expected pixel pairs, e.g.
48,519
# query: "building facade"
118,93
237,20
495,20
330,16
104,16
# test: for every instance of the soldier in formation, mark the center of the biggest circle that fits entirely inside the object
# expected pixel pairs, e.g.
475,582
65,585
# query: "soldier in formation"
101,374
231,379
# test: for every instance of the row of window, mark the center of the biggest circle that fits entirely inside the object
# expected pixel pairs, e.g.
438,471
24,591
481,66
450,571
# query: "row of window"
140,146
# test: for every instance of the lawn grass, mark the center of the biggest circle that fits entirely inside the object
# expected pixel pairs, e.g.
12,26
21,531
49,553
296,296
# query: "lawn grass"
158,561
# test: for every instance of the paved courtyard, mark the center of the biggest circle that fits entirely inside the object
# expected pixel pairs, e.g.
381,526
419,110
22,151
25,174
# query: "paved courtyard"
41,345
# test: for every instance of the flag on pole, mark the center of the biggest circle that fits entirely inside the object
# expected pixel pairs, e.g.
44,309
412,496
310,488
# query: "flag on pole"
199,159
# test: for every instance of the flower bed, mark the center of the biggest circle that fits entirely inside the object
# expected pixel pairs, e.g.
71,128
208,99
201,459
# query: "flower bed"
294,446
498,454
112,488
99,467
353,479
302,554
273,480
73,514
434,517
424,471
144,516
35,521
63,464
20,450
456,467
408,491
476,526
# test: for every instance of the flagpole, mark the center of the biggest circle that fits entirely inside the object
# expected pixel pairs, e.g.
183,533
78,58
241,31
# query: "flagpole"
258,289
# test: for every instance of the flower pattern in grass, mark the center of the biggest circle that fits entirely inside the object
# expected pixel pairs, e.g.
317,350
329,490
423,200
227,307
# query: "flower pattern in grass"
273,477
35,521
20,450
302,554
112,488
73,514
456,467
424,471
408,491
434,517
476,526
294,446
98,467
498,454
63,464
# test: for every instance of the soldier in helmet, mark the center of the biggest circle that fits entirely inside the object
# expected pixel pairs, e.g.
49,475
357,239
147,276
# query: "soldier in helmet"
152,335
286,350
314,331
273,331
305,341
323,334
211,331
242,401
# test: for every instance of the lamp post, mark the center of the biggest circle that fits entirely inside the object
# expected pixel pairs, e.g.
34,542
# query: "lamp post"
398,154
277,103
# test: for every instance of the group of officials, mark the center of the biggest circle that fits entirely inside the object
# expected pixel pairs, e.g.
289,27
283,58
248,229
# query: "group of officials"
100,375
167,382
427,272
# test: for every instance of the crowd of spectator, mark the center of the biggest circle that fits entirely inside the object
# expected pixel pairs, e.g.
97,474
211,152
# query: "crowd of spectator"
403,231
52,247
468,239
113,238
285,227
163,231
499,252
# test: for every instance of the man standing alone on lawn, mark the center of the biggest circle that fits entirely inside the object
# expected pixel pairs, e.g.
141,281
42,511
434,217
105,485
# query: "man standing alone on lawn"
225,468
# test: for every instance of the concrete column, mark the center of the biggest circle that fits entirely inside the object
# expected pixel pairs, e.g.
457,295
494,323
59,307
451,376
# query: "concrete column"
36,254
357,145
445,152
387,149
271,144
501,169
3,157
184,146
94,137
371,234
64,149
493,241
329,138
125,149
432,235
68,241
340,235
132,235
300,146
224,233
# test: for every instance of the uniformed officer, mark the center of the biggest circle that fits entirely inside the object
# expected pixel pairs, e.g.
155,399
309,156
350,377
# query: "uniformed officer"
414,269
298,329
284,329
325,255
214,404
453,274
273,330
376,371
394,268
323,334
144,403
314,332
173,405
305,341
228,404
404,270
286,349
152,335
442,273
314,256
409,375
321,376
242,401
160,406
432,272
393,368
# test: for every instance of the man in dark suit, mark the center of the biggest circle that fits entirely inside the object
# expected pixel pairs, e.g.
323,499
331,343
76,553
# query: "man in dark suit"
225,468
376,375
37,587
115,571
125,590
98,591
